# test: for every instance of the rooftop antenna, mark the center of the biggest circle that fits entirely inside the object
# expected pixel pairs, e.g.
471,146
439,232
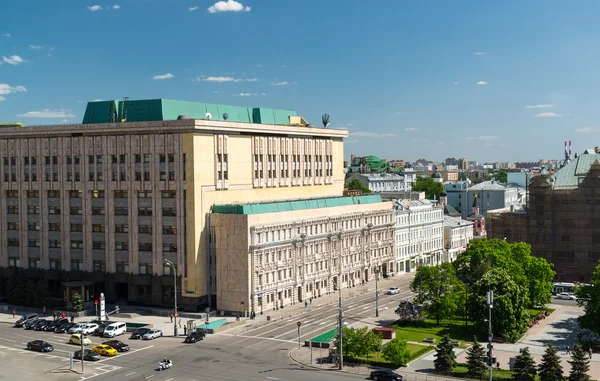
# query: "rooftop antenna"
123,112
325,120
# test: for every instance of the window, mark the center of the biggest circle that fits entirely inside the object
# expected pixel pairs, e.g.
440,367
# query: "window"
144,211
13,226
55,264
34,263
145,246
147,158
138,158
75,211
12,194
33,194
565,238
98,228
53,194
97,193
76,264
98,245
121,194
33,226
121,245
33,210
98,211
144,194
33,243
14,262
169,194
145,268
54,244
167,270
91,158
170,230
122,159
54,227
169,248
99,266
75,194
76,227
76,244
145,229
113,159
171,212
54,210
121,211
122,267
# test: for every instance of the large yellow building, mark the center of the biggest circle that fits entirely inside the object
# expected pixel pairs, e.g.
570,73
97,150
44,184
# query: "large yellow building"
104,203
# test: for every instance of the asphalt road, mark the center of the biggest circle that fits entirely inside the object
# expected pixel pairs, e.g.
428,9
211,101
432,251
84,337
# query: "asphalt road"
563,302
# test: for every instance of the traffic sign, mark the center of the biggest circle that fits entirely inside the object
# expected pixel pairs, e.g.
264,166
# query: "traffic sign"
96,301
176,314
299,323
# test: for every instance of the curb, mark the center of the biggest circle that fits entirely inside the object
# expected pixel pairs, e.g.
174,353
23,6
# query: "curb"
312,366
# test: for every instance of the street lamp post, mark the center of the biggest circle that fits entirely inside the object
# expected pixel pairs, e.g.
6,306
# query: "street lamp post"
172,265
376,293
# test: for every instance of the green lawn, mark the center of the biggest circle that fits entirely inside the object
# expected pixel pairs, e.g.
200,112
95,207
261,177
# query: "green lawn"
533,312
377,359
499,374
454,328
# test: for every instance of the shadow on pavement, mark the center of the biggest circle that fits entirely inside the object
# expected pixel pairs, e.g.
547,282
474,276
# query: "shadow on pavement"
559,333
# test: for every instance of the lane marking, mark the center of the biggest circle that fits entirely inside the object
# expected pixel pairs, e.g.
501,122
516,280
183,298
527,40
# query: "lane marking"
259,338
147,377
129,374
124,354
12,341
268,378
169,379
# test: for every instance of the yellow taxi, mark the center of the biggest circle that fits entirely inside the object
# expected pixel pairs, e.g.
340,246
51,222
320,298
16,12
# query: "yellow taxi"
76,339
105,350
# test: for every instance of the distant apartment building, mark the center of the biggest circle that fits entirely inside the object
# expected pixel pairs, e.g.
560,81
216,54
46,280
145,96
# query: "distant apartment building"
451,161
491,195
272,255
386,182
463,164
457,235
419,234
104,203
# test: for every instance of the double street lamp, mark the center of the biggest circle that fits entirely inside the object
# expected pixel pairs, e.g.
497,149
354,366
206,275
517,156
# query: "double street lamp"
174,267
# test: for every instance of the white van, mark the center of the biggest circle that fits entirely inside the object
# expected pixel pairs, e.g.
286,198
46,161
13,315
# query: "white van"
115,329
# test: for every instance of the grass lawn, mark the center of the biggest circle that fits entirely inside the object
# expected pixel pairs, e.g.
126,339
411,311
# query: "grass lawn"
377,359
454,328
499,374
533,312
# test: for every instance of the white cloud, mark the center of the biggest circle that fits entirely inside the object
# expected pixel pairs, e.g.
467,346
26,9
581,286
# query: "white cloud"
191,9
35,47
371,134
284,83
484,137
480,53
541,106
399,112
351,141
249,94
259,65
419,140
489,144
2,98
65,121
228,6
455,83
587,130
47,113
222,79
95,8
482,83
160,77
6,89
527,63
5,35
252,80
98,100
13,60
284,66
116,6
549,115
411,129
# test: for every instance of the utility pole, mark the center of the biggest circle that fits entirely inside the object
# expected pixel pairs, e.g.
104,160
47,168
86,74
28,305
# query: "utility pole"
81,338
172,265
376,293
341,328
490,302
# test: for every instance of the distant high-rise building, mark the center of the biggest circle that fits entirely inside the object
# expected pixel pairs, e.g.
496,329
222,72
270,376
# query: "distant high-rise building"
451,161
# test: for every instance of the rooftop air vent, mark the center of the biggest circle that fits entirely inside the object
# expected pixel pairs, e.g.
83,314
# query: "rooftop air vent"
184,117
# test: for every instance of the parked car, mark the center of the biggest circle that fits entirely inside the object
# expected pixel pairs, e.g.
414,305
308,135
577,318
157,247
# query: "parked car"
118,345
31,324
100,330
139,333
76,339
77,328
393,290
25,319
65,327
195,337
567,296
385,375
153,334
88,355
40,346
89,328
55,324
115,329
41,325
105,350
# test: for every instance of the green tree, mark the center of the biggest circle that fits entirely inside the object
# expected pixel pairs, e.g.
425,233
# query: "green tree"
396,352
355,184
524,369
580,365
40,294
462,176
538,272
445,358
438,290
475,363
372,341
589,298
509,318
77,302
428,185
501,176
550,369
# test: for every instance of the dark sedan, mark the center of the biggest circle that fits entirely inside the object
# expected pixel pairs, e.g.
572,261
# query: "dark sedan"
118,345
138,333
31,324
40,346
100,330
385,375
88,355
41,325
55,324
65,327
194,337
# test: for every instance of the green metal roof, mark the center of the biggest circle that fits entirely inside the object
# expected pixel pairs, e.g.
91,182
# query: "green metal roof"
168,109
286,206
569,176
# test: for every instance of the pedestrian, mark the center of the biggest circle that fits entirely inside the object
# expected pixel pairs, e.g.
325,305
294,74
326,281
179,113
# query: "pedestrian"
310,300
305,304
568,349
63,315
14,313
72,319
591,353
171,315
185,330
44,311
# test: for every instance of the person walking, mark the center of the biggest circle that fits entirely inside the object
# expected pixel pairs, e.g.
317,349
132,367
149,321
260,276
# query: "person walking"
171,315
14,313
44,311
568,349
305,304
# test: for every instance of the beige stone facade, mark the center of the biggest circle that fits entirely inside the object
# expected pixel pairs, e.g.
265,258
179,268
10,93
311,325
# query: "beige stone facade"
271,260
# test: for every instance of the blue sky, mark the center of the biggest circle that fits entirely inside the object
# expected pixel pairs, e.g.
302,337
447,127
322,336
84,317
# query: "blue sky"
487,80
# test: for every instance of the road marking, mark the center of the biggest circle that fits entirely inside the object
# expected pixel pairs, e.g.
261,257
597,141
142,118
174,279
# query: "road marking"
365,307
12,341
125,354
323,322
147,377
256,337
129,374
27,337
268,378
168,379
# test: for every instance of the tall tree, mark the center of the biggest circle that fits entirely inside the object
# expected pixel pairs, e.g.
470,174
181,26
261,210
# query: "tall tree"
396,352
587,338
524,369
77,302
409,312
509,318
550,369
428,185
589,298
438,290
475,363
445,358
538,273
580,365
355,184
501,176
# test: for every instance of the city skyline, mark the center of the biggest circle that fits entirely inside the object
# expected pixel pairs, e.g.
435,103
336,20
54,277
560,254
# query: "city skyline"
489,82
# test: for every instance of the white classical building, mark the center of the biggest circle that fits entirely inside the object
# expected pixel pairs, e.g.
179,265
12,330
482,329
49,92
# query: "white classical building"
419,235
457,235
387,182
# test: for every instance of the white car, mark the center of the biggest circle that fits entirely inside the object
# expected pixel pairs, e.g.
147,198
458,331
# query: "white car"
393,290
567,296
77,328
152,334
88,329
